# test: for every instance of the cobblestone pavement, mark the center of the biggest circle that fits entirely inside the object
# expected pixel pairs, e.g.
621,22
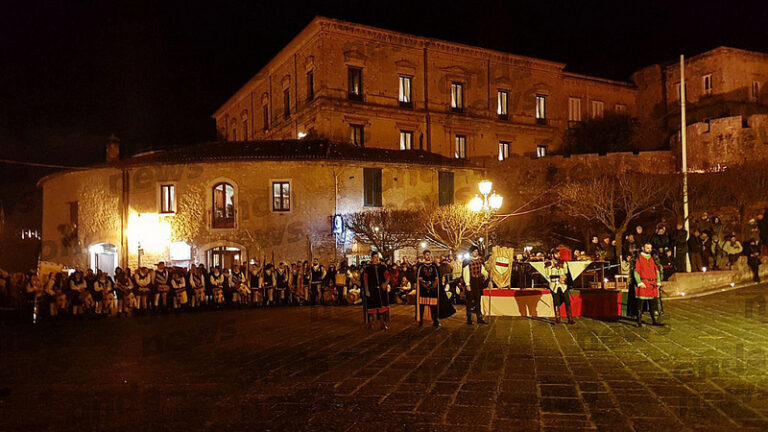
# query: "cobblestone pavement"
302,369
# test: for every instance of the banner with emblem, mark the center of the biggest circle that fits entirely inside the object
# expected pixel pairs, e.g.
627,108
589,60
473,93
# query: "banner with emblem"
501,266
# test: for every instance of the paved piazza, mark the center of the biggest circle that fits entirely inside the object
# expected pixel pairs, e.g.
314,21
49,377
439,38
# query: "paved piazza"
318,369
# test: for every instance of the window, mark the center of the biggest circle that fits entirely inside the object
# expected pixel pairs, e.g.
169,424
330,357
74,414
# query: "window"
223,206
503,150
461,147
457,96
574,110
597,108
404,90
286,103
372,187
357,135
281,196
245,129
755,91
266,116
706,83
620,108
310,85
541,151
234,134
355,84
541,109
502,104
445,188
167,199
406,140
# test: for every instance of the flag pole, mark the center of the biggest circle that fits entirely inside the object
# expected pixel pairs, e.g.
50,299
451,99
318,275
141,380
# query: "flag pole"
684,157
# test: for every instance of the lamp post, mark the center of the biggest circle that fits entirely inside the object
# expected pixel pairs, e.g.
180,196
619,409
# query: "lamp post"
487,202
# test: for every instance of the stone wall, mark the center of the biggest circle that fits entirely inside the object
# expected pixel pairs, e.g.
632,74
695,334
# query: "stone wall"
319,189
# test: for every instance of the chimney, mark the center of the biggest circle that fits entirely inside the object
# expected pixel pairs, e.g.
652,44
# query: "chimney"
113,148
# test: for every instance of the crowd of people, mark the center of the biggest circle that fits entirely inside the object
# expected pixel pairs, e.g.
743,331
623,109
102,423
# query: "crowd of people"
166,289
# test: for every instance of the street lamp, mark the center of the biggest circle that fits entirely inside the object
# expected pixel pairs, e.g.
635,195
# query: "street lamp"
488,203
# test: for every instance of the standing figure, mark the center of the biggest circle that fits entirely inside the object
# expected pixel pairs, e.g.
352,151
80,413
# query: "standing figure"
143,279
428,280
753,259
197,284
103,284
475,275
376,285
179,285
239,282
317,274
557,274
648,279
216,280
282,283
161,285
268,283
254,281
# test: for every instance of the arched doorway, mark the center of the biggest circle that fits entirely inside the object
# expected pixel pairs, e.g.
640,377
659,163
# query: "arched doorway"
224,256
103,256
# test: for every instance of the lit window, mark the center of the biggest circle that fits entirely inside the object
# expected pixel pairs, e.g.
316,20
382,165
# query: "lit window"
597,109
461,147
286,103
706,82
167,199
404,90
541,109
541,151
502,104
357,135
310,85
620,108
457,96
503,150
223,206
281,196
355,84
574,109
406,140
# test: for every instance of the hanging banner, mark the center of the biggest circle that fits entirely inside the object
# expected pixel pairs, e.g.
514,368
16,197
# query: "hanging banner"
501,266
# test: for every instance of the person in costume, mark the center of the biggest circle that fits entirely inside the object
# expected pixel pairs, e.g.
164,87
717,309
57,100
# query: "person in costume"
126,300
216,279
475,275
161,285
647,277
197,285
428,286
282,283
268,283
143,282
239,282
557,274
376,284
179,286
317,274
104,286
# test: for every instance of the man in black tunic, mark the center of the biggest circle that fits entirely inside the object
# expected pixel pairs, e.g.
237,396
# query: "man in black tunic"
376,283
428,280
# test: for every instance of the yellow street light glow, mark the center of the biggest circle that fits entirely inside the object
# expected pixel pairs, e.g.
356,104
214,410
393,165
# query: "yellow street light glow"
476,204
485,187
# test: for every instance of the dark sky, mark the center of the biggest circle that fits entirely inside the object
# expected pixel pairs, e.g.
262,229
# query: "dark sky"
72,72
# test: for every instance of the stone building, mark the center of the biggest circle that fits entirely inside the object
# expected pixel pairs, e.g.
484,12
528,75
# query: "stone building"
224,202
378,88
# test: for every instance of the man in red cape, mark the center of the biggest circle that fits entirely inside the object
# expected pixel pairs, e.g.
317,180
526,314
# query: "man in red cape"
648,279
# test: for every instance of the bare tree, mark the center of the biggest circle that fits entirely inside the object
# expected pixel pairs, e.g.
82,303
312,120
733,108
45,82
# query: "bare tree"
614,201
386,229
454,225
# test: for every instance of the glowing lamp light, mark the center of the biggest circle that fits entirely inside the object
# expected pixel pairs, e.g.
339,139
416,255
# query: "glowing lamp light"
148,231
605,280
480,239
302,135
703,269
682,294
476,204
733,284
423,245
485,187
495,201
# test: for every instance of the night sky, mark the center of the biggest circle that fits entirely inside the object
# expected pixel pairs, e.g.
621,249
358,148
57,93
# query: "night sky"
153,72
